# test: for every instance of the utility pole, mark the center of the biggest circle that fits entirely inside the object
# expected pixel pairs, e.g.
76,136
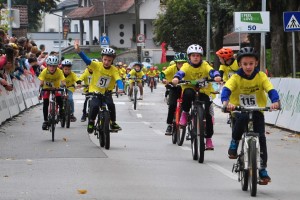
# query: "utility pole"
137,29
208,32
9,18
263,43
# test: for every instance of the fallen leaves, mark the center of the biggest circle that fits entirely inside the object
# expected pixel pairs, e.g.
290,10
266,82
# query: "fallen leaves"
82,191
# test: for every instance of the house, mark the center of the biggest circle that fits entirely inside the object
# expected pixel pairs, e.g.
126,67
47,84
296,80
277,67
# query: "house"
89,16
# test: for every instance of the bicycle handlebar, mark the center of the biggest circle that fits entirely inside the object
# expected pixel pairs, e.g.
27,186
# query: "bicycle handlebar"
249,109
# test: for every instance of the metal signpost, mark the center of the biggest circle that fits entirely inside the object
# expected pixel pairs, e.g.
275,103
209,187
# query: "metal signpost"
291,24
253,22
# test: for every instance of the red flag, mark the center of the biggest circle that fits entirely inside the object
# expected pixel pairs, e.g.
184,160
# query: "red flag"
163,53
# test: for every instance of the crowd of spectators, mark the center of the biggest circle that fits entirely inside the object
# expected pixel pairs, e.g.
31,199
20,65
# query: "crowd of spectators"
20,56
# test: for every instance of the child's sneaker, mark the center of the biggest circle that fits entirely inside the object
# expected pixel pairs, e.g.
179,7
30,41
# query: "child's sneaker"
264,177
232,151
141,97
83,118
169,130
209,145
90,127
183,118
115,126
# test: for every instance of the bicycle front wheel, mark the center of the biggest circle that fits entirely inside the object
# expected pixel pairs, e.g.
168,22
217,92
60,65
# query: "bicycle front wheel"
193,134
53,120
200,130
68,114
174,132
253,167
63,119
135,98
106,131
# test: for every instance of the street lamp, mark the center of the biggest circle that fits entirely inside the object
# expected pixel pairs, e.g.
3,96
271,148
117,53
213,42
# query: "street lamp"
104,1
60,33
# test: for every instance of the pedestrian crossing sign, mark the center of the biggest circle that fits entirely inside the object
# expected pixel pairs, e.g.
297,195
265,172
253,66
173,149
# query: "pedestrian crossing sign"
291,21
104,41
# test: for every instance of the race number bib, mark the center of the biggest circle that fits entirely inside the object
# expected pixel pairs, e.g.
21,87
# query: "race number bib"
103,82
49,84
248,100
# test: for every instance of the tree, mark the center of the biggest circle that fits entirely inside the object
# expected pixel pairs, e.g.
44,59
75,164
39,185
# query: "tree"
35,8
182,24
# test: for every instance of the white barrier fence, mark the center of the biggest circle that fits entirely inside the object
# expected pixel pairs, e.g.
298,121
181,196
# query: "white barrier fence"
24,95
289,115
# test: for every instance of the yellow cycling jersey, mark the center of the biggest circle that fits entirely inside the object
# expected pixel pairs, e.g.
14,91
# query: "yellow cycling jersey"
122,71
246,92
103,79
151,73
133,73
71,80
229,70
86,77
51,80
170,72
194,74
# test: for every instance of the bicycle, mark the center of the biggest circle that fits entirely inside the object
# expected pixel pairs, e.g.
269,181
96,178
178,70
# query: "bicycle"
135,90
101,129
151,84
53,117
196,121
65,120
249,157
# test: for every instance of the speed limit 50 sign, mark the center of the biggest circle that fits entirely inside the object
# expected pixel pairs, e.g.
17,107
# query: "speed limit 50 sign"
252,22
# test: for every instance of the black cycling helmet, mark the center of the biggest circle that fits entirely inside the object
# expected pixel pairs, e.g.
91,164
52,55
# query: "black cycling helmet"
139,64
246,51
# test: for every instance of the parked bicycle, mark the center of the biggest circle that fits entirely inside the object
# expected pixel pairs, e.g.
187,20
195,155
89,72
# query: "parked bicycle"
101,129
249,157
53,117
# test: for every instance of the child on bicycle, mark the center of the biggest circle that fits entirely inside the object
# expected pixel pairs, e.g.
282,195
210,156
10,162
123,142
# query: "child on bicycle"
86,77
104,78
248,87
70,78
196,69
138,73
51,77
174,92
229,65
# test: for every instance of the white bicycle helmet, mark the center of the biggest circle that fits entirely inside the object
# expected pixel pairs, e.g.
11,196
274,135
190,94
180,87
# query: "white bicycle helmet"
66,62
108,52
194,48
52,60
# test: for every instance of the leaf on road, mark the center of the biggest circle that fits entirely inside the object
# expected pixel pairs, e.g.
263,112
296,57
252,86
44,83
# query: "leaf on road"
29,162
5,176
81,191
65,139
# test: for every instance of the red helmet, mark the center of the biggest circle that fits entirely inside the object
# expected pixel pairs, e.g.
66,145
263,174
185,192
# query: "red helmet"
151,68
155,67
225,53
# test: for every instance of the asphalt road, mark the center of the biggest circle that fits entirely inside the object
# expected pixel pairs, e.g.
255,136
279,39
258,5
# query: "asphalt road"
142,163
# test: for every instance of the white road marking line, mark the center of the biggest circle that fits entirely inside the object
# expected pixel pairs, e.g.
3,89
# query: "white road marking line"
146,104
119,102
158,132
147,123
223,171
186,148
139,115
79,101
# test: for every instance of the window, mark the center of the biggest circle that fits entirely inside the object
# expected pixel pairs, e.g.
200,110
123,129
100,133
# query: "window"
76,29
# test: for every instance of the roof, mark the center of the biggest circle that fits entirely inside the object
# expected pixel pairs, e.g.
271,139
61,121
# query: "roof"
96,10
233,38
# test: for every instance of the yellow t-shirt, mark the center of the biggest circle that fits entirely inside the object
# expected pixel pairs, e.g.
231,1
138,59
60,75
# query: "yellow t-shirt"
103,79
51,80
151,73
133,73
86,77
71,80
194,74
229,70
170,72
249,92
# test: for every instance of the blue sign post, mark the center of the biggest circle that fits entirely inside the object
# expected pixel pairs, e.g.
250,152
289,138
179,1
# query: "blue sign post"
104,41
291,24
